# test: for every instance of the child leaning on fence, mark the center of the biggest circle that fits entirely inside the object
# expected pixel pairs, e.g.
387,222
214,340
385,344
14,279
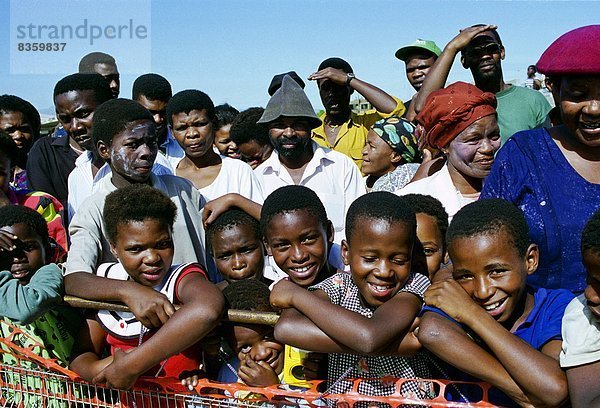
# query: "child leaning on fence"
31,288
139,221
363,319
486,310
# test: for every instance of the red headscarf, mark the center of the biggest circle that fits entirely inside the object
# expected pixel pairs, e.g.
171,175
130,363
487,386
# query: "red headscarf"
449,111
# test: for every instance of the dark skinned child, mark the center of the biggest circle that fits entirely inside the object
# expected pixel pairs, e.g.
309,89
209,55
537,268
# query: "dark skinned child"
362,316
486,321
580,354
139,221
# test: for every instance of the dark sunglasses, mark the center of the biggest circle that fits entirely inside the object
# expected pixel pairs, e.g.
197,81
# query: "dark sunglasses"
478,52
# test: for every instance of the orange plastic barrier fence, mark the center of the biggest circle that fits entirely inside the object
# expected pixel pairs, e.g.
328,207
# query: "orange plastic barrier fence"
32,381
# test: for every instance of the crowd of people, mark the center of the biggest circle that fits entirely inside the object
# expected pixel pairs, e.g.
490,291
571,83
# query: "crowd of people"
452,236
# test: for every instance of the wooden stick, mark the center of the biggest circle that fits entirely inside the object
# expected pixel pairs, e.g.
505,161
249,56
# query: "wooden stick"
233,315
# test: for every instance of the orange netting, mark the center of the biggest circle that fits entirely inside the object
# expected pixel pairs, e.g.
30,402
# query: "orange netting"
32,381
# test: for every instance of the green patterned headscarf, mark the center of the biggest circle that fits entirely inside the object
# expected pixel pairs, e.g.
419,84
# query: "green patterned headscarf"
399,133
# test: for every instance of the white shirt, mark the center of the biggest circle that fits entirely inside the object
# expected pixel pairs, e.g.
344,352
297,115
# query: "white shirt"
581,335
332,175
439,185
82,184
235,176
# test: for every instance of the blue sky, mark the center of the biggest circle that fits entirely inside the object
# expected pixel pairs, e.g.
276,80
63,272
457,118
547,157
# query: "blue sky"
231,49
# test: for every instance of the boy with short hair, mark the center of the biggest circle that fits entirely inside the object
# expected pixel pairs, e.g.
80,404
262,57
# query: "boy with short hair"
487,311
580,355
360,317
297,234
235,242
139,221
31,287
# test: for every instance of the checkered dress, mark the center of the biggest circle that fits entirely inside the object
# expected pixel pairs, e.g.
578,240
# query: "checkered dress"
343,292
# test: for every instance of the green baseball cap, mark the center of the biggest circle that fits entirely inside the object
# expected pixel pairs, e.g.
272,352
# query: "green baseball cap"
417,46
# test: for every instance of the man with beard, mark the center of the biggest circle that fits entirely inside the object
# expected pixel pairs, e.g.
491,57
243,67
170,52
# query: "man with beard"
343,130
482,52
52,159
299,160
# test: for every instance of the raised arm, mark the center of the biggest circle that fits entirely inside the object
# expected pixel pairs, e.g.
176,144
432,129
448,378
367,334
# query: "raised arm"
380,99
218,206
380,334
438,74
196,318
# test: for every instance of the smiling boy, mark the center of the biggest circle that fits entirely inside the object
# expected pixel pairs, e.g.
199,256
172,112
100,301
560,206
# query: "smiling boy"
517,329
363,318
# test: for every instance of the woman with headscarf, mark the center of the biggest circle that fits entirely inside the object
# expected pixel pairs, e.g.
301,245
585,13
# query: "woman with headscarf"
553,174
391,156
460,121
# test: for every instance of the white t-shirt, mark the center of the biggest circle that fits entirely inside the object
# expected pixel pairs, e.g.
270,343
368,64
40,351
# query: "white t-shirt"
440,186
581,335
332,175
235,176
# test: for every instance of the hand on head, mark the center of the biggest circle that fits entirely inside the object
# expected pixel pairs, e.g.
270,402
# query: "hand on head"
337,76
466,35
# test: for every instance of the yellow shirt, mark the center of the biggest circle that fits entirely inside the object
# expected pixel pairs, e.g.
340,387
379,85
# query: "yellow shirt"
352,137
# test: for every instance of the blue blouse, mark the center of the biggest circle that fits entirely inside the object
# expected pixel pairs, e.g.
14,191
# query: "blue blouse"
531,171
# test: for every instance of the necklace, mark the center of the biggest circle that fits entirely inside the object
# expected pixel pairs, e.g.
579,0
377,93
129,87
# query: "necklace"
78,151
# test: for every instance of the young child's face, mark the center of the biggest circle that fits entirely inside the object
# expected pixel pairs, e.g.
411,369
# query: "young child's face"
379,255
491,271
430,243
299,244
145,249
238,253
30,255
591,261
257,343
224,144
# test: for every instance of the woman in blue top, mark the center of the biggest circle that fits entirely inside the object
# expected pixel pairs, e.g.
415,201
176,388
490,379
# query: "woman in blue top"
553,174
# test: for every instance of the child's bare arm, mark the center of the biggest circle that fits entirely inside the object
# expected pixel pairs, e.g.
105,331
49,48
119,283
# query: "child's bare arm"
150,307
450,343
584,386
89,346
537,373
200,313
377,335
218,206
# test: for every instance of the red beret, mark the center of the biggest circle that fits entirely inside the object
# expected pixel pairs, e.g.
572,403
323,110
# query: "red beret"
450,110
576,52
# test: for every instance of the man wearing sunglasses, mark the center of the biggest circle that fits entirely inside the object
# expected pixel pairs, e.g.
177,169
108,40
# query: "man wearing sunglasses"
482,52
